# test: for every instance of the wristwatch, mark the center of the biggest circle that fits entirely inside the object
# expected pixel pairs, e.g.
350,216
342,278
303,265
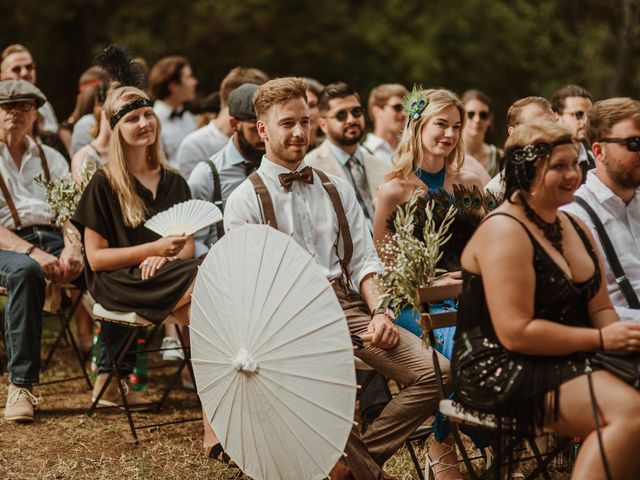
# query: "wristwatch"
30,249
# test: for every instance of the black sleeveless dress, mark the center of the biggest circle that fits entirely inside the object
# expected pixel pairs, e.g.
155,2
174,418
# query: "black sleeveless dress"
487,377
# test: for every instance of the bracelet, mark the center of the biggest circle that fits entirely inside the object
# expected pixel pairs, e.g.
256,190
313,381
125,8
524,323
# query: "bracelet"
30,249
601,339
381,310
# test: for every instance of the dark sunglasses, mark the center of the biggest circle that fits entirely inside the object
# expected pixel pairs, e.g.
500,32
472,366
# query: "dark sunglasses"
579,114
22,106
483,114
632,143
342,115
28,67
397,107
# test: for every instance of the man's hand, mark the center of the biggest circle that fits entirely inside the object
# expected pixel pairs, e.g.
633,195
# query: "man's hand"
50,265
71,263
385,333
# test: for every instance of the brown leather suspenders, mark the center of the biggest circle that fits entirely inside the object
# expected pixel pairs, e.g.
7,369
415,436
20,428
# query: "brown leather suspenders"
7,196
343,225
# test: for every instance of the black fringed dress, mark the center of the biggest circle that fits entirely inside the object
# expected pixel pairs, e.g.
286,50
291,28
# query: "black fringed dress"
488,378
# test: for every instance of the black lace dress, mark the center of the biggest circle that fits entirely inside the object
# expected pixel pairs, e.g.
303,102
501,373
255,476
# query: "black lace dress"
488,378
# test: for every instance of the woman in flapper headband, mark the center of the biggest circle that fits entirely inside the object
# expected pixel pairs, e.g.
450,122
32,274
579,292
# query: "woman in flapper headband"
131,268
535,318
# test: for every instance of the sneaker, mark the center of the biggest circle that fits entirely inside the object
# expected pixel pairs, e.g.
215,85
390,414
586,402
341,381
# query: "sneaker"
111,397
21,404
175,351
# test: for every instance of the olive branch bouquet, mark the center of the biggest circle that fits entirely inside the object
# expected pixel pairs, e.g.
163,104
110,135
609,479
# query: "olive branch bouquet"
410,262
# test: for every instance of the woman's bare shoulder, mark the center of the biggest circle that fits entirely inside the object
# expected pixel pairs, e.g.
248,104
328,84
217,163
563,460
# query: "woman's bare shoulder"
395,190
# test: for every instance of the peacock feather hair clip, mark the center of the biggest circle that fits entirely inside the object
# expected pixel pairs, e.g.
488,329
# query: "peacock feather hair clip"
415,102
119,67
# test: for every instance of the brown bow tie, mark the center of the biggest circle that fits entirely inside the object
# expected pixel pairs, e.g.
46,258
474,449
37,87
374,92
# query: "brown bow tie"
305,175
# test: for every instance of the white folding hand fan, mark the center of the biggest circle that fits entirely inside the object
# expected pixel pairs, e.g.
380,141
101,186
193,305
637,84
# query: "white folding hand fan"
184,218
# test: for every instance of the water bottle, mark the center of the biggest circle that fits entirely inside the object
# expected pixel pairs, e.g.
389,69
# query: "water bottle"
139,376
95,353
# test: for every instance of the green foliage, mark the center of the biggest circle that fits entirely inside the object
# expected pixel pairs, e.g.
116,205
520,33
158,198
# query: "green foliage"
508,48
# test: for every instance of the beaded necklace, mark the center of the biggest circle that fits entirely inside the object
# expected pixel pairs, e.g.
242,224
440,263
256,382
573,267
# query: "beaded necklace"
552,231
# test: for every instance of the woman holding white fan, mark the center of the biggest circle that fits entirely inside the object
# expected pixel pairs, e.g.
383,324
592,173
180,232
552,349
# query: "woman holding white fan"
131,268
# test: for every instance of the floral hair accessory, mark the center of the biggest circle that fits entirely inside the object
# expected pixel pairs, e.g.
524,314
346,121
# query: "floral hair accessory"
415,102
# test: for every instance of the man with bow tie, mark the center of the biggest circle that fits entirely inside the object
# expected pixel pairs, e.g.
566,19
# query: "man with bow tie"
321,213
171,85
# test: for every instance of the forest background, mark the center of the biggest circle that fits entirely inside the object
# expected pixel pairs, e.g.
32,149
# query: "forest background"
507,48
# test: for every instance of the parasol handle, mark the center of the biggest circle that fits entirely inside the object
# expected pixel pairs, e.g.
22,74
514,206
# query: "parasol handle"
244,362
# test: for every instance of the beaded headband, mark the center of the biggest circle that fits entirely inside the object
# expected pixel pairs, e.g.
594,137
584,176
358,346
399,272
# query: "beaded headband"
535,151
415,102
126,108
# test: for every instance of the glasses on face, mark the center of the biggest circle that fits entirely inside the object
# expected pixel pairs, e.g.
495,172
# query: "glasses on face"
22,106
29,67
579,114
397,107
483,114
342,115
632,143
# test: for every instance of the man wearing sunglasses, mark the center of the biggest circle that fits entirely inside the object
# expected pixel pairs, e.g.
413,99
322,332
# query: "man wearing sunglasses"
17,62
32,250
570,107
612,191
342,121
388,116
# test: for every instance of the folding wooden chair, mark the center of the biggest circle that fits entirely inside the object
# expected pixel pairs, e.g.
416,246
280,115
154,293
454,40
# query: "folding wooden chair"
455,412
64,314
136,323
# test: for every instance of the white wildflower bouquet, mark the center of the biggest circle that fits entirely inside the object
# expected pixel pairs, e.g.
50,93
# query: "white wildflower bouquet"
63,194
410,262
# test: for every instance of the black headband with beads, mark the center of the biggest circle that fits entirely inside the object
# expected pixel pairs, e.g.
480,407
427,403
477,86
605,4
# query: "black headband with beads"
126,108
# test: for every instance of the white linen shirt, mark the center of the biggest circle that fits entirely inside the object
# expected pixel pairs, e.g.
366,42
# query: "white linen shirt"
28,196
173,130
379,147
199,146
622,224
307,214
229,163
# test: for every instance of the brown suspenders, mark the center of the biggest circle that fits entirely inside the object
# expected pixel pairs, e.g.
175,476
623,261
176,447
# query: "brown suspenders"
343,225
7,196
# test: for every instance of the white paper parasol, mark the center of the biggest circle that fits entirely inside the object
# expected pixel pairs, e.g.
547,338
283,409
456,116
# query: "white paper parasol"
272,356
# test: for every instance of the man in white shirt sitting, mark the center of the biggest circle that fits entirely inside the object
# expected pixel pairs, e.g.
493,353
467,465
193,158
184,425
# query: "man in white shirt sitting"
612,190
32,251
294,199
205,142
171,85
388,117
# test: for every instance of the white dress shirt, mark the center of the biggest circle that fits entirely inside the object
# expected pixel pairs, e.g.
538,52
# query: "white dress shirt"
28,196
622,224
379,147
199,146
230,165
49,121
81,134
307,214
174,130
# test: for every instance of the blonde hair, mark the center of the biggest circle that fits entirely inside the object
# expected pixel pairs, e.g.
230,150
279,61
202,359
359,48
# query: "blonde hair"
411,148
120,178
278,92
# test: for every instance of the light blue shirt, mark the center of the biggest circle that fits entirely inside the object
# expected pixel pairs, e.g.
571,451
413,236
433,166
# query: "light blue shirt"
230,165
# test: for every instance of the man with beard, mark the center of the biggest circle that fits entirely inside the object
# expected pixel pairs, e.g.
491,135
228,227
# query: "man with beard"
215,179
612,191
342,121
321,213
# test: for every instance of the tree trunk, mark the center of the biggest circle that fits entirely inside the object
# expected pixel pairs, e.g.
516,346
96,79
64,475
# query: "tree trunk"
630,11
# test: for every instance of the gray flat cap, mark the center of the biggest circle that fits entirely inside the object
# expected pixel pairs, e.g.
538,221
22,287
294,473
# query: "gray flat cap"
16,90
241,102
